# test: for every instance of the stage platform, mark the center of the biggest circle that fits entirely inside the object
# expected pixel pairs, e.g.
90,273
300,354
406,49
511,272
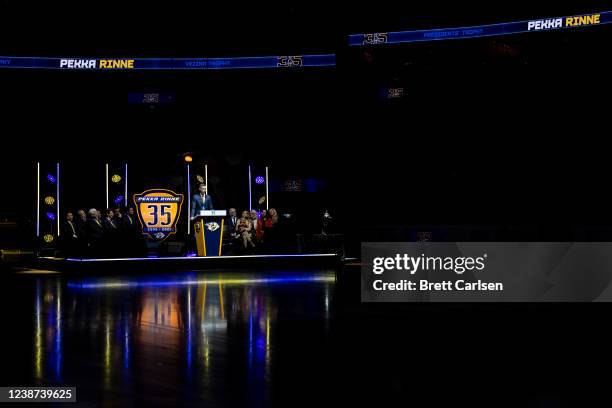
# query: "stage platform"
182,263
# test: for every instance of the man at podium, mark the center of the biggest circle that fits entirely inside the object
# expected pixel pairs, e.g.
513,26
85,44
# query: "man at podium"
201,201
208,224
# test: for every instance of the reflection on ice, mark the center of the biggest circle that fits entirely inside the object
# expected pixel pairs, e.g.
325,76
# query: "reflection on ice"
185,328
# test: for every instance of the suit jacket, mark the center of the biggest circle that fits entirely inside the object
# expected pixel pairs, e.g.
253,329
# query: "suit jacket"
95,231
197,204
81,227
130,223
230,226
70,231
110,225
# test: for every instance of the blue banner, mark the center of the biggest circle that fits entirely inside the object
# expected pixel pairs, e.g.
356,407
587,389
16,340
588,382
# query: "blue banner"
80,63
545,24
299,61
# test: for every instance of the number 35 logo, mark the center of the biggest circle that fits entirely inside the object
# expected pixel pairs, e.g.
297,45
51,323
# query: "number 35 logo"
158,211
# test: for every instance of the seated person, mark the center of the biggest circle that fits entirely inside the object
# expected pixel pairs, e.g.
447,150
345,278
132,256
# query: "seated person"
269,226
258,224
271,219
95,234
261,225
70,235
232,225
245,228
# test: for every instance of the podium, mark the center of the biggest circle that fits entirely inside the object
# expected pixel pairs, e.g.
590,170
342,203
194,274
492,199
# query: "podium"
208,228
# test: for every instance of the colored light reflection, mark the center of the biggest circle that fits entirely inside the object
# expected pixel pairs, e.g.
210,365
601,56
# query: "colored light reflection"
38,330
155,258
51,178
120,284
118,199
107,353
50,216
259,180
48,329
191,321
58,329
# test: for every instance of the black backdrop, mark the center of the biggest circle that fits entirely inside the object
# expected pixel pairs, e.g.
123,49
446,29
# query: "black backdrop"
501,132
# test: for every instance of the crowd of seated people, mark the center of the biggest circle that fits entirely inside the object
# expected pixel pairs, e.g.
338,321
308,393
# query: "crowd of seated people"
115,233
252,231
95,234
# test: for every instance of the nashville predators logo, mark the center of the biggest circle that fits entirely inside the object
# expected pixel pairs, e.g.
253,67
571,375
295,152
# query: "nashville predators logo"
158,211
212,226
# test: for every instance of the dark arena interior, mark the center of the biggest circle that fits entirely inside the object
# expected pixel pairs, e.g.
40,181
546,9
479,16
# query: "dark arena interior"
354,124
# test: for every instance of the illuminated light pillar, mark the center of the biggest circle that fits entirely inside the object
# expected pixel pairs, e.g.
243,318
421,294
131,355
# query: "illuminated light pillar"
267,191
206,177
57,197
107,206
250,193
126,186
188,202
38,199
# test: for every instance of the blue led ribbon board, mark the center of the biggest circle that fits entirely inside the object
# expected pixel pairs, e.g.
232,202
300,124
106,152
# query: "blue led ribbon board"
527,26
114,64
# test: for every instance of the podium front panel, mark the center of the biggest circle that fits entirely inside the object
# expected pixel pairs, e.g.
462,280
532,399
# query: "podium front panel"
209,235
